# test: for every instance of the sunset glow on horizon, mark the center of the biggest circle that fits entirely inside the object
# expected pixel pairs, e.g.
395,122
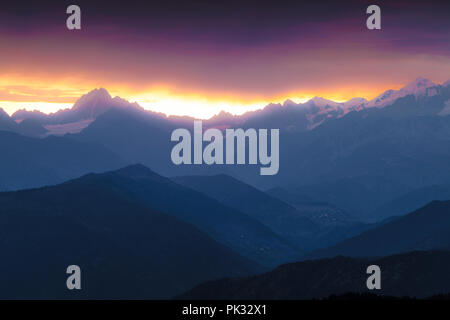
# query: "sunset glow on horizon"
201,58
52,99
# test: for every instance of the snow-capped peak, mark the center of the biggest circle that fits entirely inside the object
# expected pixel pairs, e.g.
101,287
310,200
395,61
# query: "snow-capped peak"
355,102
289,103
419,87
222,115
93,98
98,101
321,102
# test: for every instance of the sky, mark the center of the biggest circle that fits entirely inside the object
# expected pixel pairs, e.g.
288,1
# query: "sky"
198,57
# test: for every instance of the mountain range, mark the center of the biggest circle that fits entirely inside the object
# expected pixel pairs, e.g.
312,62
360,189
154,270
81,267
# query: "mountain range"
232,228
288,115
124,247
85,110
427,228
30,162
357,156
134,240
358,179
272,212
418,274
307,225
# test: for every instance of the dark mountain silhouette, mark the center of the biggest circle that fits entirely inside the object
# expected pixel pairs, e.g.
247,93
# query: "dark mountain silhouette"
6,123
357,196
274,213
336,224
415,274
228,226
125,250
27,127
412,200
318,211
425,229
31,162
293,222
31,128
357,160
148,132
